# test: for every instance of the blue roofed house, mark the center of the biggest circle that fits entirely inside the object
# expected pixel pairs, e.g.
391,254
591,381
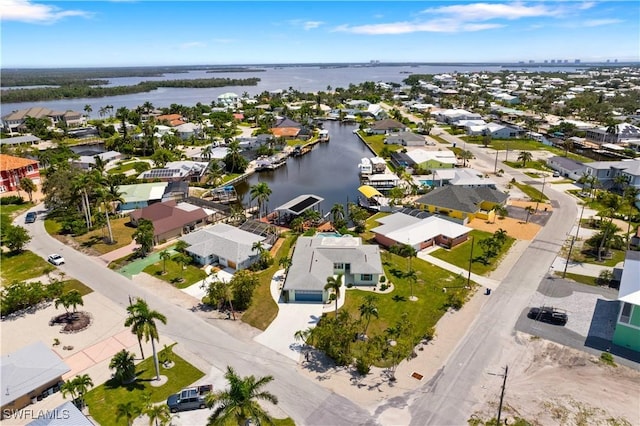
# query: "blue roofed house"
224,245
317,258
141,195
627,333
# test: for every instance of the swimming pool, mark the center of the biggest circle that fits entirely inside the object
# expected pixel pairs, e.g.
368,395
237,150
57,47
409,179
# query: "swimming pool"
328,234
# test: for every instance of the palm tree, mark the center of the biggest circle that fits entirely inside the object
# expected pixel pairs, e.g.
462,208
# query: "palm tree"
258,247
158,414
129,410
337,216
260,192
88,109
164,255
143,323
529,211
82,384
125,368
72,298
525,156
465,156
367,310
122,114
29,187
239,403
500,235
183,260
69,388
285,262
630,196
334,283
108,195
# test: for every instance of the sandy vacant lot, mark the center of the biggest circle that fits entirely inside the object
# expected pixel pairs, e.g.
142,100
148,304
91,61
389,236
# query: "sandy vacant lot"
515,228
549,384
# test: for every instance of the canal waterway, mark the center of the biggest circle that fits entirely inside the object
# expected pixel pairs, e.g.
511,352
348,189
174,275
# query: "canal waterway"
329,170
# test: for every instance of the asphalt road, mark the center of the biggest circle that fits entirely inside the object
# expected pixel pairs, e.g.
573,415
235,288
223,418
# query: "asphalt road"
304,401
448,399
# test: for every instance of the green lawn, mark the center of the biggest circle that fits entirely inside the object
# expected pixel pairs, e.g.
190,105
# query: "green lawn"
617,256
96,239
125,167
531,192
175,274
74,284
425,312
23,266
104,399
440,139
460,254
584,279
52,227
510,144
536,165
263,308
376,142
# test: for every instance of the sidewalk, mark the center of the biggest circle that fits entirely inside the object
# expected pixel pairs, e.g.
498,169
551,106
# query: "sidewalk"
580,268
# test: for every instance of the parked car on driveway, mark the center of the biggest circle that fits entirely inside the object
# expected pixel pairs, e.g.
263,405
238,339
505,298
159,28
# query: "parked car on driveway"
549,314
56,259
30,217
188,399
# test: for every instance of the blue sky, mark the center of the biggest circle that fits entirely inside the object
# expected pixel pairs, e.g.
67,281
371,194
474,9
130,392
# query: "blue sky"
119,33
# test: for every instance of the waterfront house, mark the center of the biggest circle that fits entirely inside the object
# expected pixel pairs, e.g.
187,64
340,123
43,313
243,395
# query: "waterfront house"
621,133
173,171
627,333
12,169
317,258
171,219
405,139
141,195
228,99
468,178
20,140
419,233
171,120
463,203
387,126
87,162
432,159
225,245
30,374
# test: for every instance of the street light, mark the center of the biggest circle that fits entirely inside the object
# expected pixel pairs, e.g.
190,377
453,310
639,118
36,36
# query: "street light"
544,177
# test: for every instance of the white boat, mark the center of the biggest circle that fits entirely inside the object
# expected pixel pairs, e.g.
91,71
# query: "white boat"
365,166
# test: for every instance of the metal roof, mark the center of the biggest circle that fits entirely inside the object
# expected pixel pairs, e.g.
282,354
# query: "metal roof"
301,203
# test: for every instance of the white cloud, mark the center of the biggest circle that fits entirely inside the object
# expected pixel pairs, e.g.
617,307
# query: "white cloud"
309,25
601,22
27,11
434,26
488,11
192,45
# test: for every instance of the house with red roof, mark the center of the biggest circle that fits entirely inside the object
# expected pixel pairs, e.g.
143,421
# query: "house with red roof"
12,169
173,120
171,219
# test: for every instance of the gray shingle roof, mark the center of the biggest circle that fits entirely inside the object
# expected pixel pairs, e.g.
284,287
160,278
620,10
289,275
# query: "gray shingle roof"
224,241
461,198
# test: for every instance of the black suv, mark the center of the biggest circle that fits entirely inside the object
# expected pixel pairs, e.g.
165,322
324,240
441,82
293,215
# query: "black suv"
30,217
548,314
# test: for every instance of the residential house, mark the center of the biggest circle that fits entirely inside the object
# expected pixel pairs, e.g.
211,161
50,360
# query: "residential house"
12,169
495,130
66,414
567,167
224,245
621,133
171,219
28,375
387,126
317,258
21,140
462,203
358,104
607,171
627,333
467,178
141,195
405,139
188,171
228,99
186,130
171,120
14,121
86,162
419,233
433,159
453,115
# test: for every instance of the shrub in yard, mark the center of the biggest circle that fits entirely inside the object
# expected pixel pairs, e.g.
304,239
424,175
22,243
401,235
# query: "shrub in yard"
607,358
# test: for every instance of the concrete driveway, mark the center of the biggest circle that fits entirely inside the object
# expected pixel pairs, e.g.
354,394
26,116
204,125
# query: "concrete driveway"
291,318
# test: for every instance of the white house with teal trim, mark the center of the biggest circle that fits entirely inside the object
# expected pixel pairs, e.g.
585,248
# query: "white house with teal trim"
627,332
317,258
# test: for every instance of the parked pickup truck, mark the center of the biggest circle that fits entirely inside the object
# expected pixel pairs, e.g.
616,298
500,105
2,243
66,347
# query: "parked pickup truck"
189,398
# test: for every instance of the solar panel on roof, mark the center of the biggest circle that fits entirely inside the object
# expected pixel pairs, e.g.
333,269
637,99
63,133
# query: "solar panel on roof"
303,205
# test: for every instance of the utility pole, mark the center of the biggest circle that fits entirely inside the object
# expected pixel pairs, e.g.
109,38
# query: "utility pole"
470,262
495,166
566,262
504,384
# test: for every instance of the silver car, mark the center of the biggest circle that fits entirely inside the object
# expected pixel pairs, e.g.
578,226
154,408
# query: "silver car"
56,259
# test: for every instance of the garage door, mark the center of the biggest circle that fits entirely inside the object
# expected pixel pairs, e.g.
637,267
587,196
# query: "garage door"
308,296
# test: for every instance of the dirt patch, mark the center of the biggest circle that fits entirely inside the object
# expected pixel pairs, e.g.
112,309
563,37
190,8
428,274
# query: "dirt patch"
549,384
72,322
515,228
524,204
